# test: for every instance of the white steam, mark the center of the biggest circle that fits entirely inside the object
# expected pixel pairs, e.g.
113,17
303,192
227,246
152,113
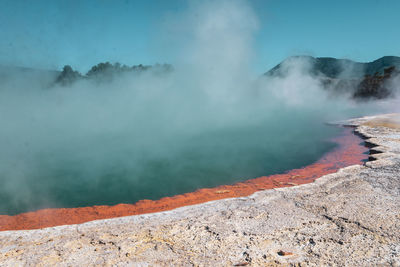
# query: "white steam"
132,120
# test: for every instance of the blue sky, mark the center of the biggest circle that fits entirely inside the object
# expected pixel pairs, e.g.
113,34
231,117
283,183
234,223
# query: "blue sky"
50,34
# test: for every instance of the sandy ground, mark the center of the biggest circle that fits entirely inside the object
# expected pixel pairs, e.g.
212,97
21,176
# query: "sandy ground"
348,218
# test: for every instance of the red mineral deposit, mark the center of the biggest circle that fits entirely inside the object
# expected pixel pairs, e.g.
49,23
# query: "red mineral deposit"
350,151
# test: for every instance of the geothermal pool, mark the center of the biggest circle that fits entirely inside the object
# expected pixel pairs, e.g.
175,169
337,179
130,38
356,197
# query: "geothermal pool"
108,170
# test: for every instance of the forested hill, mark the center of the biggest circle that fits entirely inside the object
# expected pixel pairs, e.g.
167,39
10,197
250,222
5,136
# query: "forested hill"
343,68
102,72
343,76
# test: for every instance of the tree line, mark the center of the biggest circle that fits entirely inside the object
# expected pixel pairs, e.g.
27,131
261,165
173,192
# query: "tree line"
105,71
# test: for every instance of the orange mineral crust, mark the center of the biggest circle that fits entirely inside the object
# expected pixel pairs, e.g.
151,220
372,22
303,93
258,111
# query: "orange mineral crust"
350,151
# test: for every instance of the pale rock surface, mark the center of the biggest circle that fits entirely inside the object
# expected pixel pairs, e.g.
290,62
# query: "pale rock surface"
350,218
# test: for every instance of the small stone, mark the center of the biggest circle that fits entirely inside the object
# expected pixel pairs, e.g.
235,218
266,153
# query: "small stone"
284,253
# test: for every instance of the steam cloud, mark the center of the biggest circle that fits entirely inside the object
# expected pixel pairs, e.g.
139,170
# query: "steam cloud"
92,133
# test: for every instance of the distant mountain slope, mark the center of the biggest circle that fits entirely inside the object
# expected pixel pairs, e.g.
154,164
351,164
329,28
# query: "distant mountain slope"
344,76
340,68
15,70
102,72
105,71
381,64
12,76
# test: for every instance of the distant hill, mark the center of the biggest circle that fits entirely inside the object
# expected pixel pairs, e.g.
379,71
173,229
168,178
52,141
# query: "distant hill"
340,68
15,70
14,75
105,71
340,76
344,76
102,72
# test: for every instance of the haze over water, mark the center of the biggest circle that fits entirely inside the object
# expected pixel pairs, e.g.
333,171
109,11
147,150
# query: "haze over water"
211,121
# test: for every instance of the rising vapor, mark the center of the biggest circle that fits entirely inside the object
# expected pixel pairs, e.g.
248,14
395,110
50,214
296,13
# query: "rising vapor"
72,145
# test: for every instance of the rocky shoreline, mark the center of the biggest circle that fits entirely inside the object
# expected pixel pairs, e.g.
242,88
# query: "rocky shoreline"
348,218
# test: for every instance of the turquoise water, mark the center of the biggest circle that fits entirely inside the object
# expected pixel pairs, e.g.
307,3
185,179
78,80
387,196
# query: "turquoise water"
108,170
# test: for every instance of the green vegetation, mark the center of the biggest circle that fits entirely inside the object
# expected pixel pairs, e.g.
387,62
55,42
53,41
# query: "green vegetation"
362,81
339,68
68,76
375,86
105,71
